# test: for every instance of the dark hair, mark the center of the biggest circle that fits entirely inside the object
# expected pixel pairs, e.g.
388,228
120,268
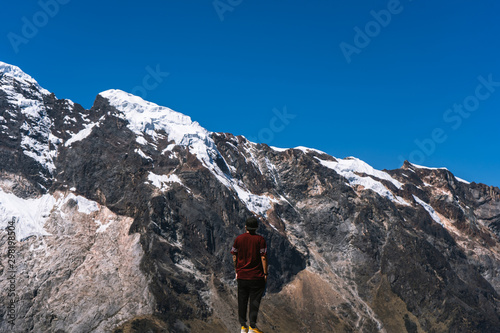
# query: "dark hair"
252,224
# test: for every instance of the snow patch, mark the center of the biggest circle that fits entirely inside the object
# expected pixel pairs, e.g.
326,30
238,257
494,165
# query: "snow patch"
259,204
142,154
349,169
302,148
67,119
85,205
39,151
81,135
30,214
162,181
306,150
428,168
442,168
352,164
278,149
102,227
462,180
36,136
16,73
170,147
141,140
429,209
187,266
402,201
272,226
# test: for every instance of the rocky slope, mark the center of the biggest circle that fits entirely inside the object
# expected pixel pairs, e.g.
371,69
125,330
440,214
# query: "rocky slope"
125,213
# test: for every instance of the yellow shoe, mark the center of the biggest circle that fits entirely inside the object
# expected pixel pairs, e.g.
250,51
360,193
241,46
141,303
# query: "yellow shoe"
254,330
244,329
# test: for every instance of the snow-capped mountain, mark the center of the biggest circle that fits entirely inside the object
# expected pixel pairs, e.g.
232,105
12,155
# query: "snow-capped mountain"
125,213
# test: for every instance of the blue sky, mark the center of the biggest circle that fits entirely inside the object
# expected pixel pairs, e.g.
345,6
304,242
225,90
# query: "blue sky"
383,81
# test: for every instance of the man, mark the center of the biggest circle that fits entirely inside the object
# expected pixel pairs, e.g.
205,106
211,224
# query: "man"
250,261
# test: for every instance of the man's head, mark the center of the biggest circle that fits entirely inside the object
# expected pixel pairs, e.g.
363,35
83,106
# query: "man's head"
252,224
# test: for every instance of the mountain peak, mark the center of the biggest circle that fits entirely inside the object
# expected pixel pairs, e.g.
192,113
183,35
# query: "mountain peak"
145,117
153,120
17,74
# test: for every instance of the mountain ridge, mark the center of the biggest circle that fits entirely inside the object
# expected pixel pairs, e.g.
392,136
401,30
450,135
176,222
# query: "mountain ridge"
352,248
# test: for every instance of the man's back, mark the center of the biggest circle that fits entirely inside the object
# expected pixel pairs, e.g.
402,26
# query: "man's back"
249,249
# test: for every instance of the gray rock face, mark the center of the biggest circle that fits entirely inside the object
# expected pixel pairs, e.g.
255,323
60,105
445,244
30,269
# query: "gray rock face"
83,277
126,213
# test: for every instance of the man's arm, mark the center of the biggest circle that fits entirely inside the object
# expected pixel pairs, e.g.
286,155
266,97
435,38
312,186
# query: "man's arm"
235,262
264,265
234,252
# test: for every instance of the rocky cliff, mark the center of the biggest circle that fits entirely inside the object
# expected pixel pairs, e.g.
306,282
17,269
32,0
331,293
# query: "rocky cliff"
124,215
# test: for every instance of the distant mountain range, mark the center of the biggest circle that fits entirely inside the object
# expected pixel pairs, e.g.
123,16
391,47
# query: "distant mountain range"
124,216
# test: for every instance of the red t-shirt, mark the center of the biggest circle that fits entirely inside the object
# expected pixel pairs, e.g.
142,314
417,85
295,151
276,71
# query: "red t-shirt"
249,249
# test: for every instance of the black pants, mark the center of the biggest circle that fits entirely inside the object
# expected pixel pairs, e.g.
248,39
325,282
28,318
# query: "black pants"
249,290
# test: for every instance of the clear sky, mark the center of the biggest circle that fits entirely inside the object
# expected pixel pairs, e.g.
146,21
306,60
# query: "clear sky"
383,81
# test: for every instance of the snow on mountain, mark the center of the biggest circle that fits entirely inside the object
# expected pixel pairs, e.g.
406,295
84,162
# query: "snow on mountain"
429,210
85,205
428,168
279,149
15,73
442,168
351,167
81,135
306,150
462,180
352,164
163,182
147,118
36,138
31,214
25,95
259,204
